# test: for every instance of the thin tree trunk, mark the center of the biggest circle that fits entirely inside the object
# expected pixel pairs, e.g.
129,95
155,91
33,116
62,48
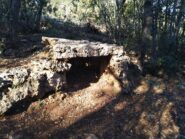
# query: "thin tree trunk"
39,15
166,16
134,20
146,29
13,20
173,21
155,31
119,12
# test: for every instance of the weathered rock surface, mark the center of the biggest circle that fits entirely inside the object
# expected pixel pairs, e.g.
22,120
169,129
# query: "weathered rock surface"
49,73
66,49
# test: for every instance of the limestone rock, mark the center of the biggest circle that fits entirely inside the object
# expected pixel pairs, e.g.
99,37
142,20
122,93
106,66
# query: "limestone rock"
4,84
49,73
16,75
42,77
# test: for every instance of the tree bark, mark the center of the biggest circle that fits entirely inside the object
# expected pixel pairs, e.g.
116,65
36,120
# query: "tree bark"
39,15
14,18
146,29
119,12
172,27
166,16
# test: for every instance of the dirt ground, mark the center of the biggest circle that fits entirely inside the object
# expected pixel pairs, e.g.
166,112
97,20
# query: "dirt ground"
155,108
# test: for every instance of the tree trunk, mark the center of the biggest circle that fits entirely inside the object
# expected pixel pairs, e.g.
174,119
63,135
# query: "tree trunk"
180,18
134,20
39,16
173,21
13,20
155,31
119,12
166,16
146,29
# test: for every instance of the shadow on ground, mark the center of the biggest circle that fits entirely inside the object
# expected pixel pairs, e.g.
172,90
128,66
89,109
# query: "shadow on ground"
154,110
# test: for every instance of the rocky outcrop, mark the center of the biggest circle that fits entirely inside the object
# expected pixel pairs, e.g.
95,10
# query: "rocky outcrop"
66,49
48,74
42,77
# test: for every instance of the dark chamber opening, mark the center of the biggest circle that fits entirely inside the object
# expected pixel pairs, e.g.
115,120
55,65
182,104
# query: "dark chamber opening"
85,71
